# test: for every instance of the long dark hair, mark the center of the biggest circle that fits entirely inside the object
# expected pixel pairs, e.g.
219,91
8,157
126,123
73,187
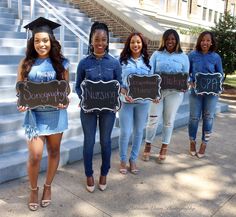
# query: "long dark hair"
213,41
165,36
127,53
55,55
97,26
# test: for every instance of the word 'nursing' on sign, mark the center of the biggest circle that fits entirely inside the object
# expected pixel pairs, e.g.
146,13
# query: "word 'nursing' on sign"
144,86
31,94
100,95
208,83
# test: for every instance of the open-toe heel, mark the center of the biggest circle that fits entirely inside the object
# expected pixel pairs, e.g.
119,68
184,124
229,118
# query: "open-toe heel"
146,152
133,168
192,148
33,204
46,202
162,154
123,168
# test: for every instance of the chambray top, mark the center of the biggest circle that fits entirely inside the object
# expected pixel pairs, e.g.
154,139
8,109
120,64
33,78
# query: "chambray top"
106,68
44,120
169,63
204,63
134,67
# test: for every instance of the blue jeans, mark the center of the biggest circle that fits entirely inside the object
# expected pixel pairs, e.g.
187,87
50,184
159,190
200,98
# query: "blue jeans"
166,109
132,117
89,121
204,105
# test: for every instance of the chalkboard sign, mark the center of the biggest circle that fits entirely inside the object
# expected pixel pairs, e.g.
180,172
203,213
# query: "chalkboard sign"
100,95
32,94
144,86
177,81
208,83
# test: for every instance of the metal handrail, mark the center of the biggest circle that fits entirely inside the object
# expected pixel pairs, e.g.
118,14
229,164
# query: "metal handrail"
65,22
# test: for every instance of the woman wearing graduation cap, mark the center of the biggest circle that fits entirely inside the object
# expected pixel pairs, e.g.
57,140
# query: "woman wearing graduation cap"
43,62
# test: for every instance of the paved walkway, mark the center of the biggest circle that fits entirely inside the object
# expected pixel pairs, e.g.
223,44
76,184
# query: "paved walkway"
182,186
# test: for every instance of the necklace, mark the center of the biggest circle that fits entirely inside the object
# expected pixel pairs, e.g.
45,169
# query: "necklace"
99,55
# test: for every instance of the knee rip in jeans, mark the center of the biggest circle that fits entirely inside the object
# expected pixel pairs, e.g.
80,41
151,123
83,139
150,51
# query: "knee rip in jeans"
194,118
207,115
153,119
207,135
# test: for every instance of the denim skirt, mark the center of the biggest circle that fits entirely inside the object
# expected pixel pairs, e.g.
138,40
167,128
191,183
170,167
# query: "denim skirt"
45,121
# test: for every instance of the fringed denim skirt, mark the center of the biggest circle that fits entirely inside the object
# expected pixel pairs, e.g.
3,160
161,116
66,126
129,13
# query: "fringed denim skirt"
45,121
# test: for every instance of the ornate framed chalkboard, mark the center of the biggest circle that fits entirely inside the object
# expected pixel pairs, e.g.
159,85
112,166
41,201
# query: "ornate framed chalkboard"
207,83
100,95
144,86
177,81
32,94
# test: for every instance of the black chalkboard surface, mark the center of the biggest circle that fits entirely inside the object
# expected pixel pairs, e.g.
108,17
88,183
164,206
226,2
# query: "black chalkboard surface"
144,86
100,95
208,83
32,94
177,81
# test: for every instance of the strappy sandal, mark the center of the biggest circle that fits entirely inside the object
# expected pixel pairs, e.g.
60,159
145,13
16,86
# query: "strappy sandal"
133,168
46,202
123,168
146,152
32,205
192,149
162,155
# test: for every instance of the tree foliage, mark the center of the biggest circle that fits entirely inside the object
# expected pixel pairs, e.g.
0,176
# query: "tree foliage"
225,33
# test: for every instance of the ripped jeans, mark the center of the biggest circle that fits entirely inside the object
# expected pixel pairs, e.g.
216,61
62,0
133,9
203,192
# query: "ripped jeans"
205,106
166,109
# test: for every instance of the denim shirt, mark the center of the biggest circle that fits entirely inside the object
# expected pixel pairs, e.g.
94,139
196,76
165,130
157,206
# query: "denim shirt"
204,63
106,68
134,67
170,63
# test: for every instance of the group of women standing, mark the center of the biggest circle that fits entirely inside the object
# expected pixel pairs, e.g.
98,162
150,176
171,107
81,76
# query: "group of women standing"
44,62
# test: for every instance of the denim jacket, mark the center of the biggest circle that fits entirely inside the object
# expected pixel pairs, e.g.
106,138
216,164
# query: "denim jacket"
171,63
134,67
204,63
107,68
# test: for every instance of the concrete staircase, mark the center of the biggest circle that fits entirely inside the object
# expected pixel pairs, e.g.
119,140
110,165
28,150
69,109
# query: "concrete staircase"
13,148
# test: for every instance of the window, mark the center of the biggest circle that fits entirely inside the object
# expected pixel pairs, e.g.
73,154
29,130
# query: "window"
204,13
210,15
215,17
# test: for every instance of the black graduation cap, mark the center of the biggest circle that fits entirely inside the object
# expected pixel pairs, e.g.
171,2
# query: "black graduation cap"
42,24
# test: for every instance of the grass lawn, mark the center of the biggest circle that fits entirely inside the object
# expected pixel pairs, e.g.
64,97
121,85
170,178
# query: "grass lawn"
231,80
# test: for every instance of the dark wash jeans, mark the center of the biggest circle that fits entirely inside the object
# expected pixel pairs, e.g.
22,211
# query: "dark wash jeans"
89,120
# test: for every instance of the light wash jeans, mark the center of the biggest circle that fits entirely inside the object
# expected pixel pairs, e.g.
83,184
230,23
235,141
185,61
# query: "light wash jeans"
165,109
204,105
132,117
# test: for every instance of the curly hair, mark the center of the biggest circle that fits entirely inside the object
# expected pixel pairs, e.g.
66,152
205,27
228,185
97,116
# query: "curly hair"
213,41
127,53
55,55
98,26
165,36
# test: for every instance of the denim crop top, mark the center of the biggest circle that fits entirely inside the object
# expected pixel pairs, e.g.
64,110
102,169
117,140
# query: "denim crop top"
107,68
170,63
204,63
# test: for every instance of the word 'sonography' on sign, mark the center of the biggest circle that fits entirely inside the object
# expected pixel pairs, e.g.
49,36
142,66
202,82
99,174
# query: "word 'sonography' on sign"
31,94
208,83
144,86
100,95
